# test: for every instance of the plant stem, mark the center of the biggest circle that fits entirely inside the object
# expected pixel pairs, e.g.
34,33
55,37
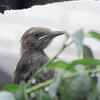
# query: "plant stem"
41,85
25,94
46,64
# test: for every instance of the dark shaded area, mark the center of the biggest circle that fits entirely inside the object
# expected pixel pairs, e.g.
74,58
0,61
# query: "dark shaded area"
21,4
4,78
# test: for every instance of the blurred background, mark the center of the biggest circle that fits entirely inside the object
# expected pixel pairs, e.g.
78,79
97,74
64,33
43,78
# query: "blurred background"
68,16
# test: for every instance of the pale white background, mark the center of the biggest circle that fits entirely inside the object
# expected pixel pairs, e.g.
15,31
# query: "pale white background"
69,16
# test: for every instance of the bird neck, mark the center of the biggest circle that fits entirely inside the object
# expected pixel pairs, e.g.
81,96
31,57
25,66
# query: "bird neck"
32,51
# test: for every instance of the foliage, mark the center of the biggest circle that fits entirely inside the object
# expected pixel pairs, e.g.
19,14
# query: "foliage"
70,84
10,87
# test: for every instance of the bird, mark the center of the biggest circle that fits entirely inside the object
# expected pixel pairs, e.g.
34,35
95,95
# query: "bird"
33,57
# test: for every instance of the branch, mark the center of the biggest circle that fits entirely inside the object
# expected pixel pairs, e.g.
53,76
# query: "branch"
46,64
22,4
41,85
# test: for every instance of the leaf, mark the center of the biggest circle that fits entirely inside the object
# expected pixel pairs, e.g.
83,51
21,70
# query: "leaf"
87,62
91,96
58,64
76,88
87,52
54,86
10,87
94,34
6,96
66,34
98,86
94,82
20,92
44,96
78,37
40,95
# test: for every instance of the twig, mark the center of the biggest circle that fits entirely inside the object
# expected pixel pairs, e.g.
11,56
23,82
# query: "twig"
41,85
46,64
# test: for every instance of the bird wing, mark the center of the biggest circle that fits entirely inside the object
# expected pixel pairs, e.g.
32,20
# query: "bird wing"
21,69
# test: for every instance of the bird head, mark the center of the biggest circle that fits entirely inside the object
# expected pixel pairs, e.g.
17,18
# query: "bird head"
38,38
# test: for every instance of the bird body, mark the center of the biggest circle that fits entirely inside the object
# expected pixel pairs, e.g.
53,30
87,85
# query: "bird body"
33,57
29,63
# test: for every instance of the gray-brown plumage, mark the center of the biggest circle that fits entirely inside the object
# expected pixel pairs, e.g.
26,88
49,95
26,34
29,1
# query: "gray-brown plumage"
33,42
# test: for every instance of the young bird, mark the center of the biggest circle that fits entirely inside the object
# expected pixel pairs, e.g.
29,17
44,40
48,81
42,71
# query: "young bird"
33,42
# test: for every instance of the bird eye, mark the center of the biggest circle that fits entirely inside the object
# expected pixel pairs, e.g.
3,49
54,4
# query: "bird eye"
37,35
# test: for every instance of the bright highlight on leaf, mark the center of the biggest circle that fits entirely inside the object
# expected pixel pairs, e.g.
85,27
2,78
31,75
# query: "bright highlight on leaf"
58,64
78,37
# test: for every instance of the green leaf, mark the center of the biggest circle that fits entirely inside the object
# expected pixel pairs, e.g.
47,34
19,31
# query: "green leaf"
94,34
10,87
76,88
20,92
94,83
55,86
78,37
58,64
87,52
87,62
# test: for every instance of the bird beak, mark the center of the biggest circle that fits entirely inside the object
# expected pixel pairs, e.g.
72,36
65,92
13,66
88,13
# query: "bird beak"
54,34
